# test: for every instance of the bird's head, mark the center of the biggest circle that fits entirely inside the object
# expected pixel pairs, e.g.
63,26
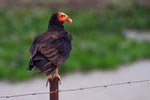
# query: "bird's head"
57,19
63,17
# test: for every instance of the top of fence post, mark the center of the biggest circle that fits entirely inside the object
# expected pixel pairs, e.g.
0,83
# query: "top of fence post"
54,88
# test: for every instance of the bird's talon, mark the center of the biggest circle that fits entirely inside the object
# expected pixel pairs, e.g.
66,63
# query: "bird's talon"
49,78
58,78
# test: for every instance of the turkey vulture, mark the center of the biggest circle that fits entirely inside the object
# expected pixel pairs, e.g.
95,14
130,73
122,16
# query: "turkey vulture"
50,49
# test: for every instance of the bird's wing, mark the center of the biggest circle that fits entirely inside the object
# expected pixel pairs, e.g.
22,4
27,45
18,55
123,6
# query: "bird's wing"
55,47
33,48
33,51
36,50
49,50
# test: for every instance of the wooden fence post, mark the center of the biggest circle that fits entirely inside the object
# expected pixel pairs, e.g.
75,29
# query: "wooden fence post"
54,86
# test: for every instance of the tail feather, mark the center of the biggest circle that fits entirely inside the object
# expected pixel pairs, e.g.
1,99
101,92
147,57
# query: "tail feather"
52,69
48,68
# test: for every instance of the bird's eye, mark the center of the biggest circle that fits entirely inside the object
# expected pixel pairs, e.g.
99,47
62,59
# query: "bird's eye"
62,15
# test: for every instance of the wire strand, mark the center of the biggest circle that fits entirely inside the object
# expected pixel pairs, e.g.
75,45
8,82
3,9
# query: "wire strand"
77,89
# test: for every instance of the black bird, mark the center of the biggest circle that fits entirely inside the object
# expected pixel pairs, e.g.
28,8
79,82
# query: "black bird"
50,49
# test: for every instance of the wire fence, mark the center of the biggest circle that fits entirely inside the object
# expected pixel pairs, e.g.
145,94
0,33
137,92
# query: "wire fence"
77,89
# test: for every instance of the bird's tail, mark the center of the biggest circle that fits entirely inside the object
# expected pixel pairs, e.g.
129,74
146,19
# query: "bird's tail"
48,68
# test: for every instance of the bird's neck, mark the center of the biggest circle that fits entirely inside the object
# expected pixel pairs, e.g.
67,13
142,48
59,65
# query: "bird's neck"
55,25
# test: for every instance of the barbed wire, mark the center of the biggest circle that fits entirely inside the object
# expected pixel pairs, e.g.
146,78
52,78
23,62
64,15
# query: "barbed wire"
77,89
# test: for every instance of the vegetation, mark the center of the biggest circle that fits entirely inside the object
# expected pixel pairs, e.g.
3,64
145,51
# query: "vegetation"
98,40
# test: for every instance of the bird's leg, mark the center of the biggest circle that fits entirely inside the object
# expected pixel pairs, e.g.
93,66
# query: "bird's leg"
49,78
57,75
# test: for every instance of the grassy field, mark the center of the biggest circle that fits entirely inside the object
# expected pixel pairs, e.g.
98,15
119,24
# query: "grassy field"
98,40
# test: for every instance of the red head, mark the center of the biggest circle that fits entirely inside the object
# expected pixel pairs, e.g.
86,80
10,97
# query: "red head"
63,17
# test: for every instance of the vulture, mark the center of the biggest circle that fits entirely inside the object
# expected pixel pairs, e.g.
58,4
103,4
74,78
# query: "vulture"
51,48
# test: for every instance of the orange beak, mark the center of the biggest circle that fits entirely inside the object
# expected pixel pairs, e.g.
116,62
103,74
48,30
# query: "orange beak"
69,19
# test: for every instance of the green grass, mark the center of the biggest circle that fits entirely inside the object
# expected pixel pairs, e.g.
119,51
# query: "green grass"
98,41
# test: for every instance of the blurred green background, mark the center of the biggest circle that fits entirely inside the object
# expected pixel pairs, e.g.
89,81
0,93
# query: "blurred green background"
97,29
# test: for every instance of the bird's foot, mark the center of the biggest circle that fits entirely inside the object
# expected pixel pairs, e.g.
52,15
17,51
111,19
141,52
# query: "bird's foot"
58,76
49,78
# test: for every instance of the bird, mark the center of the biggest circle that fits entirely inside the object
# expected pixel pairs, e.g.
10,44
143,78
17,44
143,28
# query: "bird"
51,48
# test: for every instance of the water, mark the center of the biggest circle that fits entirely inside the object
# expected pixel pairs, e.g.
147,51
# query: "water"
136,71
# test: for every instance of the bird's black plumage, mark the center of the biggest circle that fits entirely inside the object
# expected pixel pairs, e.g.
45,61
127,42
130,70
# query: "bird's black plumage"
50,49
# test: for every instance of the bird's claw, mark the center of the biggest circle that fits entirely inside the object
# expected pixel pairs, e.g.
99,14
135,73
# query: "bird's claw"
59,79
49,78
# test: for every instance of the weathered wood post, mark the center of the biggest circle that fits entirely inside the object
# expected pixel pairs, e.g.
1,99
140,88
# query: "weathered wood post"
54,86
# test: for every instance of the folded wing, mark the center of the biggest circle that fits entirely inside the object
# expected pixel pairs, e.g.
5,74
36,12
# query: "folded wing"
49,51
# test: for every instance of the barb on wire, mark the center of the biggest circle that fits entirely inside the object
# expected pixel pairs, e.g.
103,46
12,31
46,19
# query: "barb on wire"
77,89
